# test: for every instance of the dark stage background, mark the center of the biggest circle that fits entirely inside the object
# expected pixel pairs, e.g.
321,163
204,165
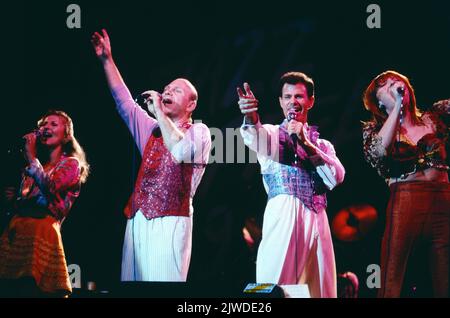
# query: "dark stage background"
217,45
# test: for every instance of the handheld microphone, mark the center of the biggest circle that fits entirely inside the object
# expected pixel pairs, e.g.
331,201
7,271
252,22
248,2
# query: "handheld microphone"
38,133
20,146
291,115
143,99
382,107
43,133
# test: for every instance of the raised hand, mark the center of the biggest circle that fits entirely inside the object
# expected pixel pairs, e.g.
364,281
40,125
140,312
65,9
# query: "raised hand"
102,45
248,104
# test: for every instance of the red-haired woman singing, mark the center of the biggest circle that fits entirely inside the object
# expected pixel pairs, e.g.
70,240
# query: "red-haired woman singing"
407,147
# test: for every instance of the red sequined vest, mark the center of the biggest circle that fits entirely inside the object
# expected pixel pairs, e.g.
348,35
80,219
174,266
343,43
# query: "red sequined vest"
163,185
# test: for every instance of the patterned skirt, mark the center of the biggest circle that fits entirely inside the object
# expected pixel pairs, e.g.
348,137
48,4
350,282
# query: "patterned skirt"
32,247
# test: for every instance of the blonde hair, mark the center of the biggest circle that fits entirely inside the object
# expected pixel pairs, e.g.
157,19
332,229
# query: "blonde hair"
71,147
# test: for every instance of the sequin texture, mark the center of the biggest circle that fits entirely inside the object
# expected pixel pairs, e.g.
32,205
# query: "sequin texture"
163,185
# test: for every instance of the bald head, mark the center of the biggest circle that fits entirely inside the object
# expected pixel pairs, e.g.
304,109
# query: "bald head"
188,87
179,99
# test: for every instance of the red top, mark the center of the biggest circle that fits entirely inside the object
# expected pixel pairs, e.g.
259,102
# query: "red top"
50,191
163,186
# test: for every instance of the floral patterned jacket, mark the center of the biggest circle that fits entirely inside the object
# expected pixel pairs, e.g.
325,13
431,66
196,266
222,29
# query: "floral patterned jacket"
50,191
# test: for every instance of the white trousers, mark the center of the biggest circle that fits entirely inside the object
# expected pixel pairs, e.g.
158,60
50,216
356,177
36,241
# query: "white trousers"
296,248
158,249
